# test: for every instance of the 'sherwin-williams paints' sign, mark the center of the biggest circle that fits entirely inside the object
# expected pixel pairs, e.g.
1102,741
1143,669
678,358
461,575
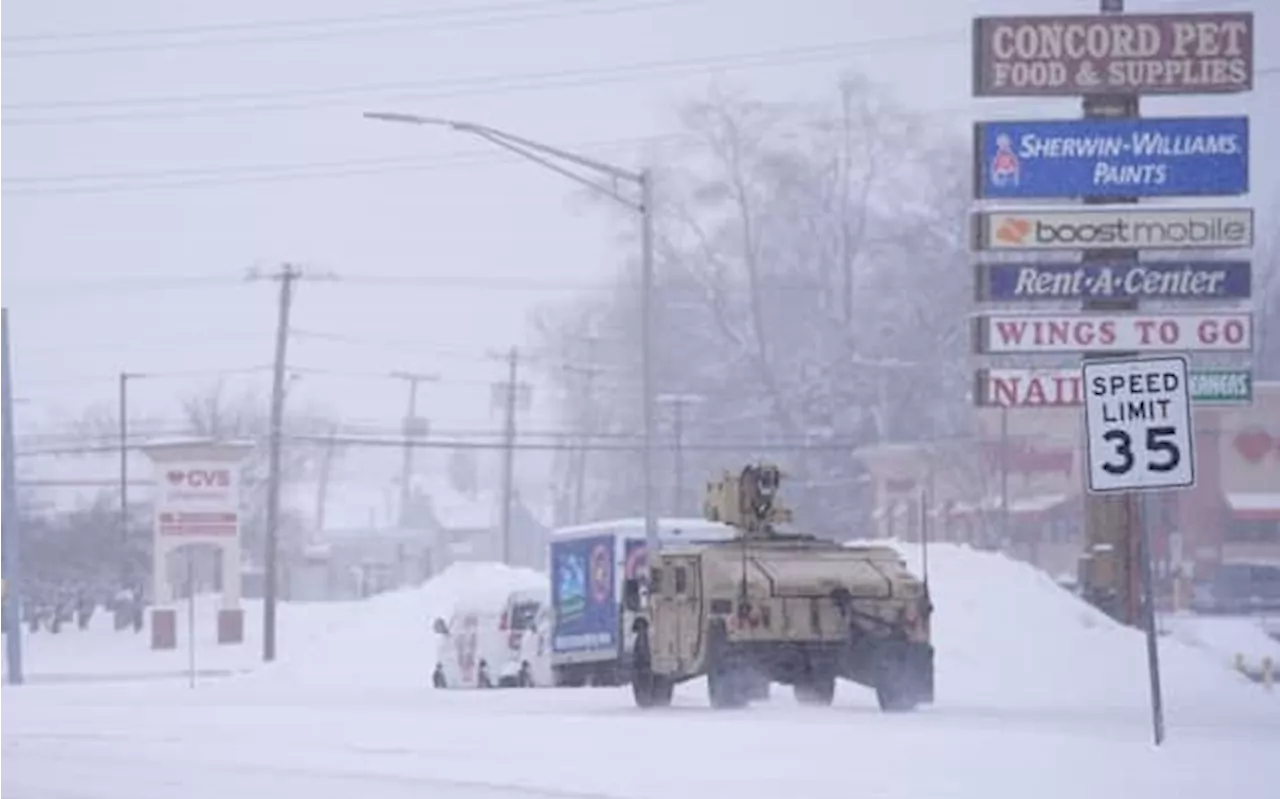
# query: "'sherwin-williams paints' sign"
1182,157
1110,53
1171,280
1012,333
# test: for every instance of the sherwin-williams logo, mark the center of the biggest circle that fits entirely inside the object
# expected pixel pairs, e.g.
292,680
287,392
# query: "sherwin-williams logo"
1085,230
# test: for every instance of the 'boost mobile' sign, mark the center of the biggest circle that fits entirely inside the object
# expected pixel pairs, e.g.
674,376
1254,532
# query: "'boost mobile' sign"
1171,280
1149,229
1083,158
1116,54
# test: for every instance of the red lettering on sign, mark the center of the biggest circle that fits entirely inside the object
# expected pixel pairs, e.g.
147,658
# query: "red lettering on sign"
1047,333
1214,330
208,478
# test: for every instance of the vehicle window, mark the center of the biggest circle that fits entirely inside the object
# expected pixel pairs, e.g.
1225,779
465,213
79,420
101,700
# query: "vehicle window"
682,580
523,615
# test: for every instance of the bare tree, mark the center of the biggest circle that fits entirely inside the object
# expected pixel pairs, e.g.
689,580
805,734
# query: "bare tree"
812,282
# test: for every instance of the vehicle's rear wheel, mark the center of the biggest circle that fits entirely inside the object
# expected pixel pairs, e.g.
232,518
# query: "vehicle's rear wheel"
896,691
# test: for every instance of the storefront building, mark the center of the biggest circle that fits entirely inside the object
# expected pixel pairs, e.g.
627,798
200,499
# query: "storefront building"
1017,486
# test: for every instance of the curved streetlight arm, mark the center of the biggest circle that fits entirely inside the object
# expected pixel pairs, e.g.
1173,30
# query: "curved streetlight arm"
529,149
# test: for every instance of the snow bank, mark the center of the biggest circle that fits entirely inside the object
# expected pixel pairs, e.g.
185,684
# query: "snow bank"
1007,635
1224,637
387,640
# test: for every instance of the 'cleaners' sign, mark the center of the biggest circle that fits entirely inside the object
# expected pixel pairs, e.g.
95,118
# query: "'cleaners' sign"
1011,333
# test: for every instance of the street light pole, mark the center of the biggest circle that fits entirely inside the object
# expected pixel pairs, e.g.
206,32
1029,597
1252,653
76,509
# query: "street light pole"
548,156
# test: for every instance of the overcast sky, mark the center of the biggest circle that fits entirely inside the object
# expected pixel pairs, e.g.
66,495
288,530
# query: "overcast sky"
235,140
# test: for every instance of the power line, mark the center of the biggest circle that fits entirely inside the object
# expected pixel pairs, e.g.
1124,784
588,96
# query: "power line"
261,100
145,180
33,186
360,95
80,379
347,27
407,345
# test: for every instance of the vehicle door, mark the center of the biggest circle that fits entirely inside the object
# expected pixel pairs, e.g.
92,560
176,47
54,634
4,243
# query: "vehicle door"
675,601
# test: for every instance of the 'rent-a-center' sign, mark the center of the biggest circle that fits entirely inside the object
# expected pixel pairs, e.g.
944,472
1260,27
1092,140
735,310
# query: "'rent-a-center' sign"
1044,56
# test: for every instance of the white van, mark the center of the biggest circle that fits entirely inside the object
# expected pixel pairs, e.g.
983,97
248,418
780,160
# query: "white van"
487,644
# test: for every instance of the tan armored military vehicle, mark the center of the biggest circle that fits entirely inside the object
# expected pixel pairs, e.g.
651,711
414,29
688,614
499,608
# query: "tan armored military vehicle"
774,606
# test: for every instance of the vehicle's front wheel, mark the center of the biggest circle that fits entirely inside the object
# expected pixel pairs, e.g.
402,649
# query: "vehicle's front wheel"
649,689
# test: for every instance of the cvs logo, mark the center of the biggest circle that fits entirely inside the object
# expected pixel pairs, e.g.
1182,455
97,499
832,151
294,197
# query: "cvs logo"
200,478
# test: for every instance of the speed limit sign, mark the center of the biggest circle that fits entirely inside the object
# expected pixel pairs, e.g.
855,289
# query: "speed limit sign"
1138,425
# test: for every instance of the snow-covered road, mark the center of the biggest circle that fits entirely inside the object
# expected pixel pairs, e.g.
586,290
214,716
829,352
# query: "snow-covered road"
233,742
1039,697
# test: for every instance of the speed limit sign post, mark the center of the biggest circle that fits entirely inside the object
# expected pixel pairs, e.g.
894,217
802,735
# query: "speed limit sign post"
1139,437
1138,427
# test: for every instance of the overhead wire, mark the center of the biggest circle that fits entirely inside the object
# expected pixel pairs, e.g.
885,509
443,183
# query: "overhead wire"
369,25
255,102
161,375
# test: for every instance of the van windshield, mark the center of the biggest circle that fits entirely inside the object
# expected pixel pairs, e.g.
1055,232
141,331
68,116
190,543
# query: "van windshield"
523,615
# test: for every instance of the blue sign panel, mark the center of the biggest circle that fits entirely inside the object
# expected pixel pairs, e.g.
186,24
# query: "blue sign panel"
1166,280
582,593
1182,157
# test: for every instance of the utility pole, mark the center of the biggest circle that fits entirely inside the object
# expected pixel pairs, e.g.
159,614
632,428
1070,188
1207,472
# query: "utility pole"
410,424
126,575
326,472
1112,521
1004,477
509,452
287,275
678,403
11,534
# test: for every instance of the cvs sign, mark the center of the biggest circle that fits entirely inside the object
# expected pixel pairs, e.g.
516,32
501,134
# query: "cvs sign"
200,478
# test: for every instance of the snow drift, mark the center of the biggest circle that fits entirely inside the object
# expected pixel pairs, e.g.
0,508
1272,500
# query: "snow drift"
387,640
1007,634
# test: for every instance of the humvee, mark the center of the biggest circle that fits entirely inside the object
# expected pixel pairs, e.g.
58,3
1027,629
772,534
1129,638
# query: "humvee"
772,606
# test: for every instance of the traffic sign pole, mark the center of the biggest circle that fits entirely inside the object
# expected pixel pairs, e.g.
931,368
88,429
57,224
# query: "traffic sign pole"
1149,619
1140,438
